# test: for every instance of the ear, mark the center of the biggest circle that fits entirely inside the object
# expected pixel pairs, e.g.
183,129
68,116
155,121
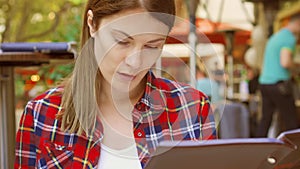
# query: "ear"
91,23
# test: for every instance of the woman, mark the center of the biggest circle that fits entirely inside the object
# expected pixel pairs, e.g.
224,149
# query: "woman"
113,111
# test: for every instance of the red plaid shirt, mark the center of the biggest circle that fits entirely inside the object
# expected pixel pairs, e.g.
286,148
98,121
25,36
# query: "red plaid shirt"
167,111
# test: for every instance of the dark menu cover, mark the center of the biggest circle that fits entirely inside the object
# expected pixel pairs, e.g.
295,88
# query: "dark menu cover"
253,153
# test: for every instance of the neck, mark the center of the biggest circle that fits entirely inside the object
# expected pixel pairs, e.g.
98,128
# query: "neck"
109,95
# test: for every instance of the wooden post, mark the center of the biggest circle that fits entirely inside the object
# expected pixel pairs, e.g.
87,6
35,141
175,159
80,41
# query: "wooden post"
7,117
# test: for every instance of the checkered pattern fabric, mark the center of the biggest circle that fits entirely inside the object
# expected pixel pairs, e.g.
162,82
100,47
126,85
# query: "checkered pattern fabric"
167,111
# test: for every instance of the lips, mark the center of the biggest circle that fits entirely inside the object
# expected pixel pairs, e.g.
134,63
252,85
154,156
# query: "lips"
125,76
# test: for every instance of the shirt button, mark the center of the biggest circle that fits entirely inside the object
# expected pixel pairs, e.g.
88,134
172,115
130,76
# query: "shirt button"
139,133
139,107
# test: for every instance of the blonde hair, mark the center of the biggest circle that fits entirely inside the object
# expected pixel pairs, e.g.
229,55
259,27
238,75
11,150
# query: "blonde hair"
80,106
82,90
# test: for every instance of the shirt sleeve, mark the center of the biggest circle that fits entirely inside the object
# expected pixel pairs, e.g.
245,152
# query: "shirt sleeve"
25,147
289,44
207,120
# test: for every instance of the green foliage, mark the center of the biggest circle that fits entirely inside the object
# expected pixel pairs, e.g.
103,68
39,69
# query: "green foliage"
55,73
71,31
40,20
77,2
19,86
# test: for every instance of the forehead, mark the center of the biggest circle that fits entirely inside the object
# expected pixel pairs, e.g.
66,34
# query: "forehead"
134,22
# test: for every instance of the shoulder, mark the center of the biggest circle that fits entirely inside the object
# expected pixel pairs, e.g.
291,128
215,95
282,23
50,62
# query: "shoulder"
285,36
49,99
39,115
289,36
46,106
176,89
53,94
186,109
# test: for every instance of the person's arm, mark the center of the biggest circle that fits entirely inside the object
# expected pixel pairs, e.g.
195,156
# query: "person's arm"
25,147
286,59
208,126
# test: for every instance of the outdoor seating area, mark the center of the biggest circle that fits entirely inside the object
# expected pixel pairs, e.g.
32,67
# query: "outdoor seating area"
217,48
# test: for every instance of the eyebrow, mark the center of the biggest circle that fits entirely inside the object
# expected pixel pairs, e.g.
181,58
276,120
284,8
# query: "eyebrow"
157,40
130,37
118,31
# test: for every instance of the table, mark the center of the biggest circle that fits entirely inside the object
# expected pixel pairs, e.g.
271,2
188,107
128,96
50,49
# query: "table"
9,60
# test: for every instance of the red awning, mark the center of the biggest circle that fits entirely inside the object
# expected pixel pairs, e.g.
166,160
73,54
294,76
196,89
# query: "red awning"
208,32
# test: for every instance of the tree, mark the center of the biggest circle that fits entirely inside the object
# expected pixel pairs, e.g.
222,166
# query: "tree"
40,20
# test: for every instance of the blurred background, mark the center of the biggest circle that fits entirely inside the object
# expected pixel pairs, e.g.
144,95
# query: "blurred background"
225,38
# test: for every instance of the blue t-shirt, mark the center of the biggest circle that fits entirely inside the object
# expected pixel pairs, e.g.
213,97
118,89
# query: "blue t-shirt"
272,71
210,88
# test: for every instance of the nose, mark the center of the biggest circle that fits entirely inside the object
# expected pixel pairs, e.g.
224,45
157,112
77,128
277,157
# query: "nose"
133,58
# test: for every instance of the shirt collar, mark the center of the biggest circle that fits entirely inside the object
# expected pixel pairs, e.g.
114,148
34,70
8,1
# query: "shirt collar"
153,102
97,134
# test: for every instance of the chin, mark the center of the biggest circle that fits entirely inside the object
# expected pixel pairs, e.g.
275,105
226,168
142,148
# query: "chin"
122,87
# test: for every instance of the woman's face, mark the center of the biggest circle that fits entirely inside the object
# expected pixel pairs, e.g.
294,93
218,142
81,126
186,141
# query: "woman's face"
127,45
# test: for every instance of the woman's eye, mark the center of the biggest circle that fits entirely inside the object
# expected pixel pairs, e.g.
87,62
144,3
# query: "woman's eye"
122,42
151,47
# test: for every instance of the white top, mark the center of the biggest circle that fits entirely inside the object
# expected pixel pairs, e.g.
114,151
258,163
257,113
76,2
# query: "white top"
119,159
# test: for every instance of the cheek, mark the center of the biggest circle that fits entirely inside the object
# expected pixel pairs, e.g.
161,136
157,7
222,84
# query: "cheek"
115,57
111,61
99,49
150,57
106,53
103,46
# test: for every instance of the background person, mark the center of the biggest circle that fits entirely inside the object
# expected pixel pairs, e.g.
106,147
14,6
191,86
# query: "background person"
208,86
275,77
